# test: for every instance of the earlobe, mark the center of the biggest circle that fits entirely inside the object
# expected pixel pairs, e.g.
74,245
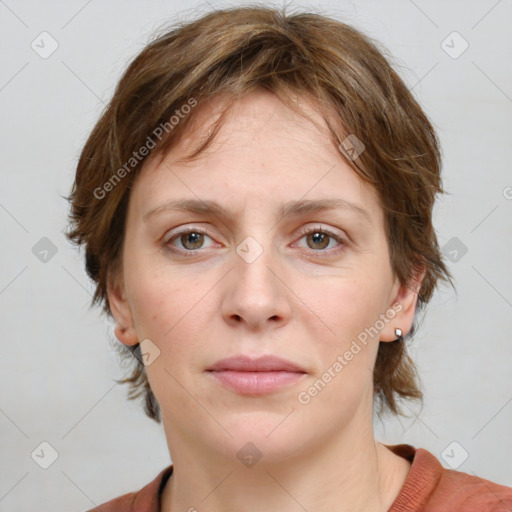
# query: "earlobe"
126,335
403,307
121,311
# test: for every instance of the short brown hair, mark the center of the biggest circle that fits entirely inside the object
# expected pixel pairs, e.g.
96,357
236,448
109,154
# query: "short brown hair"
235,51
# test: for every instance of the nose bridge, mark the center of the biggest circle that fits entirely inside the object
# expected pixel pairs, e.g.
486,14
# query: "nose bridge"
254,257
256,293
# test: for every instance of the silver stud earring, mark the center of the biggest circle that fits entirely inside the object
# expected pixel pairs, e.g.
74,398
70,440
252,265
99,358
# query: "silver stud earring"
398,334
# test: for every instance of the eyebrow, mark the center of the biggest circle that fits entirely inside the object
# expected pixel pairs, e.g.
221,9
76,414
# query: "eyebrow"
291,208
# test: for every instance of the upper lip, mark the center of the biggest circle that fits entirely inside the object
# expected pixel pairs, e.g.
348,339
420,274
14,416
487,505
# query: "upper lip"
266,363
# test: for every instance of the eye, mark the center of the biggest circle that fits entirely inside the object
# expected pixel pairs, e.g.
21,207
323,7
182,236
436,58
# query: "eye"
319,238
190,240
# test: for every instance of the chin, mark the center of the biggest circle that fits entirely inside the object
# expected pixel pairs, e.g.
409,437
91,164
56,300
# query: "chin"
266,431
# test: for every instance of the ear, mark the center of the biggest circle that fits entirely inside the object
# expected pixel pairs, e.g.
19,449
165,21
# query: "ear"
403,304
120,308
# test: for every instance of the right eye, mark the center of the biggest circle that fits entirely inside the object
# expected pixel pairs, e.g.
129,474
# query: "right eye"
190,239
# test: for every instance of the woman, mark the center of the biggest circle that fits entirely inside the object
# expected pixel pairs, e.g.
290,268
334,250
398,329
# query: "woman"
256,205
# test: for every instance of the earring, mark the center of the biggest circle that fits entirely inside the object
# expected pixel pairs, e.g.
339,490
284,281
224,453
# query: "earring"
398,334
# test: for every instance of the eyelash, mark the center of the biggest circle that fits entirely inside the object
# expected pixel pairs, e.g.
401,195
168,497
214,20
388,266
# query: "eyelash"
325,231
303,232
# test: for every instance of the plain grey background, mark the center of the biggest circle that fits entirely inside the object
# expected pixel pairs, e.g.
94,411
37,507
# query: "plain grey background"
57,362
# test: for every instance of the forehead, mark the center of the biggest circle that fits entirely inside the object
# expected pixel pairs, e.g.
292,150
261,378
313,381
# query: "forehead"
262,152
251,118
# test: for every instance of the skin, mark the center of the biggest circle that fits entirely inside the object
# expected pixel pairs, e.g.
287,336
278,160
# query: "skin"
301,299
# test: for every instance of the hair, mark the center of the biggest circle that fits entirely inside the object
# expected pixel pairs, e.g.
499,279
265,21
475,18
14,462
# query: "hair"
233,52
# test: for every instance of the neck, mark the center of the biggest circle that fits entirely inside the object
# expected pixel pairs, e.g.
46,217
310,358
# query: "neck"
349,472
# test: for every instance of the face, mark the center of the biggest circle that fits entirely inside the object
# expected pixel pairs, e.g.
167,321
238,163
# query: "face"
310,285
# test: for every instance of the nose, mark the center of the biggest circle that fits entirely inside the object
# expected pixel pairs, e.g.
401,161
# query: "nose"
255,294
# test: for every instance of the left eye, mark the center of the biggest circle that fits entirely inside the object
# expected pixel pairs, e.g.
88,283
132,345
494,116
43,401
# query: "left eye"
319,239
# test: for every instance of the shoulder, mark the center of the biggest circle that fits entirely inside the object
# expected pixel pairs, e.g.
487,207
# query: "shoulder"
469,492
146,499
430,487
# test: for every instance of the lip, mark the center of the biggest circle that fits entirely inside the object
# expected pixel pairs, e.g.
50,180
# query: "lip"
268,363
249,376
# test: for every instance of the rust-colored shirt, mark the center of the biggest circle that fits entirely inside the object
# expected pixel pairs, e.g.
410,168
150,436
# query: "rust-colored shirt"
429,487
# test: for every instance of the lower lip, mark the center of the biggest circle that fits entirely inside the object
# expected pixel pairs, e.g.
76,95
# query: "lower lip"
256,383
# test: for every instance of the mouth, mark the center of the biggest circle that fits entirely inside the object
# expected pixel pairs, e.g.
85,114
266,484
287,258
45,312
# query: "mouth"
248,376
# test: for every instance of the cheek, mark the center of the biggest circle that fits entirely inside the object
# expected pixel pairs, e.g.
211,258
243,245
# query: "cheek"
172,309
347,306
346,338
162,310
169,312
159,295
346,352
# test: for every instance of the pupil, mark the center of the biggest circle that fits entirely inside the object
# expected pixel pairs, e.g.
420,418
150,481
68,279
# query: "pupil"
320,238
192,239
